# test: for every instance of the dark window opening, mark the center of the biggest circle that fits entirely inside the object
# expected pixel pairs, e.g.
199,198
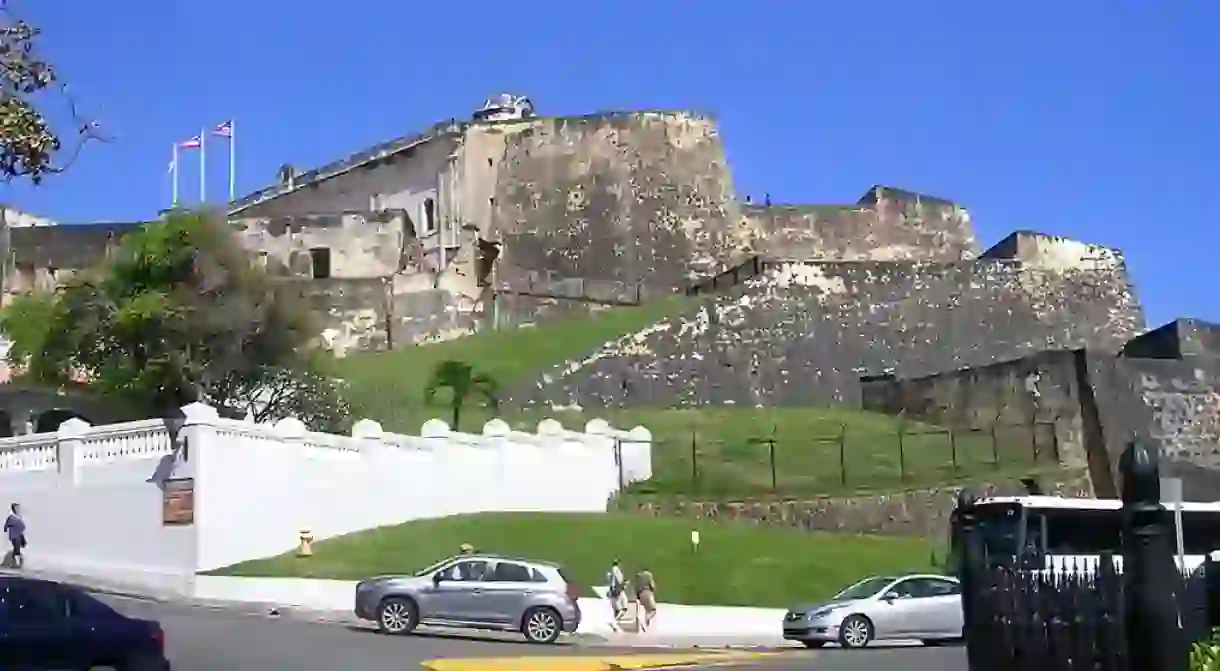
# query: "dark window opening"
429,215
49,421
319,258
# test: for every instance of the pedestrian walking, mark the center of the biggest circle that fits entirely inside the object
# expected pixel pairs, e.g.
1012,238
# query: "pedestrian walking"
646,597
616,592
14,527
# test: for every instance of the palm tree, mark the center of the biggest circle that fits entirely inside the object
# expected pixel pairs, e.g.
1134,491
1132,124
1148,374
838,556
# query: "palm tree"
463,384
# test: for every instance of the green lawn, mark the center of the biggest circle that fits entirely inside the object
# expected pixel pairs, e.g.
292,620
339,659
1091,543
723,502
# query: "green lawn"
736,565
712,452
389,386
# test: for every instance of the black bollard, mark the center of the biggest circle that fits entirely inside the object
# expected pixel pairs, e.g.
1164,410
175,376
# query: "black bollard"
1155,638
969,557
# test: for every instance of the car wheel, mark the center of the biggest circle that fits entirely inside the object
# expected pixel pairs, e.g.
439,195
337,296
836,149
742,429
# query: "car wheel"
541,625
855,632
397,616
813,645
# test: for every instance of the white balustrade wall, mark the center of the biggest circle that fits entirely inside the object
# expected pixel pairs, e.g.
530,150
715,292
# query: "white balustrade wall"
92,496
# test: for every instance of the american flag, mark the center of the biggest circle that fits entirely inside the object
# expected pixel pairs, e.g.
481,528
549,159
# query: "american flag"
193,143
224,130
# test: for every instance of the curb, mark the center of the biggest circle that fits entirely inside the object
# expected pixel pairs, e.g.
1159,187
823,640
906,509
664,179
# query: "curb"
587,641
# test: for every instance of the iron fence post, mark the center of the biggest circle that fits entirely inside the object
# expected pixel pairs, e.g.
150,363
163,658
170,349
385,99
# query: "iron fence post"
843,456
972,559
774,476
902,457
1155,637
694,463
952,451
995,446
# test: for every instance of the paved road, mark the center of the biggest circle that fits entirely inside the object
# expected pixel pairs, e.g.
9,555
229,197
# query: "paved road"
201,639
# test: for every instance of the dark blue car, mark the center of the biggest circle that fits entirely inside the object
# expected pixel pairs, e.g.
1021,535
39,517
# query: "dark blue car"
50,625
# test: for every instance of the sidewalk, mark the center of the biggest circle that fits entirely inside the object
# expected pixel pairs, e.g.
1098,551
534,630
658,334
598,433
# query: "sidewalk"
688,641
327,605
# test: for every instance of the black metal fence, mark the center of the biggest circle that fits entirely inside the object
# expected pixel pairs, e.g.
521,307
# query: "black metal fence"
849,458
1144,617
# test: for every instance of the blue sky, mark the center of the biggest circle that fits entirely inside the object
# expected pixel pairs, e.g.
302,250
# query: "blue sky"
1096,119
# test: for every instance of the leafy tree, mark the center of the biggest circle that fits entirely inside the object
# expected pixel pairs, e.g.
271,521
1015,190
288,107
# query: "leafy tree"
179,313
28,142
464,384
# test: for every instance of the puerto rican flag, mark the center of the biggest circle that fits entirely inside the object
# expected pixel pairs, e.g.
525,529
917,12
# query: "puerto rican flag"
224,130
193,143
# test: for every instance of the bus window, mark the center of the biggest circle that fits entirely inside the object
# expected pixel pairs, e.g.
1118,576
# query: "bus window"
1082,532
1001,526
1200,532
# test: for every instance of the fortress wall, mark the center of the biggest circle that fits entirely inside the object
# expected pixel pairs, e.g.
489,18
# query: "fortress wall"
631,198
1183,399
804,333
891,226
64,247
361,244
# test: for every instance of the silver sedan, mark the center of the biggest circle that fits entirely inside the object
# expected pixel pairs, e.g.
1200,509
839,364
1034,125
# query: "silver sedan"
921,607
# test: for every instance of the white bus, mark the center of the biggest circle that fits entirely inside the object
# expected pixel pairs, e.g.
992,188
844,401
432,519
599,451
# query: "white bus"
1053,532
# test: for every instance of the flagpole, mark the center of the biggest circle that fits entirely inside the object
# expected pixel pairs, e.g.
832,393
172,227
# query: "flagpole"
173,169
232,160
203,165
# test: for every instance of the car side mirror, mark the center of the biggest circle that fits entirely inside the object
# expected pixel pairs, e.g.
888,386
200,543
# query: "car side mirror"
437,578
889,598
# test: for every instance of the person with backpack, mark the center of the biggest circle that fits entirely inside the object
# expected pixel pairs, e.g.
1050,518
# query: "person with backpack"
616,591
14,528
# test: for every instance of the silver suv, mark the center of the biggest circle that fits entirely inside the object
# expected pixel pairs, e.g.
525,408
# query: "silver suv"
474,592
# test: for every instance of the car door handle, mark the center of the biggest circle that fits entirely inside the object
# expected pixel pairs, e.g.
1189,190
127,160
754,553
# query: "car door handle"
476,591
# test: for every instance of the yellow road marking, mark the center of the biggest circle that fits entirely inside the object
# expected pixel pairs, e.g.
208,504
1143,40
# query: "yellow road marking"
591,662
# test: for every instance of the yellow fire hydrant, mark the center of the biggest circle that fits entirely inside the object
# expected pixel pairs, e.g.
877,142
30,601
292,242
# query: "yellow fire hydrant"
305,549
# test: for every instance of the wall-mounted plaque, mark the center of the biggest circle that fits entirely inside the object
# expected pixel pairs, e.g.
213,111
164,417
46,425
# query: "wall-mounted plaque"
178,502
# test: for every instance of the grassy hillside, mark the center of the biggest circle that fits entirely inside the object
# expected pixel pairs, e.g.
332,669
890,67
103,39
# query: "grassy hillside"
389,386
735,564
705,451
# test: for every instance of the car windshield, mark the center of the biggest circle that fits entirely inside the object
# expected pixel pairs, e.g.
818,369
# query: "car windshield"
863,589
432,569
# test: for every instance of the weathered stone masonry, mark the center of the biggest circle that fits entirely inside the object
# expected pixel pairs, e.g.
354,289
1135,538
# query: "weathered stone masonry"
1163,388
804,333
510,222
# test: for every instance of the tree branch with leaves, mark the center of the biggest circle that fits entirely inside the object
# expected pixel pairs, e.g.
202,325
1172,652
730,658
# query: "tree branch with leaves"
28,141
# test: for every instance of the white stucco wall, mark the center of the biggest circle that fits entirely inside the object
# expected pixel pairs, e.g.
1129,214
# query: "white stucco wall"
92,505
92,499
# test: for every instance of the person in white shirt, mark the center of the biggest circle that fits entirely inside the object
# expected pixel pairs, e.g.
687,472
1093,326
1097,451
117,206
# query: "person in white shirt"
616,591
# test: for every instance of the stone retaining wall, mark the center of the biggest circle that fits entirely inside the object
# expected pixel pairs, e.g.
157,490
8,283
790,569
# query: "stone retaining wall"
920,512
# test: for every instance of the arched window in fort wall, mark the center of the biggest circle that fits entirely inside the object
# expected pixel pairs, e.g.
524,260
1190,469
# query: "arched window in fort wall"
429,216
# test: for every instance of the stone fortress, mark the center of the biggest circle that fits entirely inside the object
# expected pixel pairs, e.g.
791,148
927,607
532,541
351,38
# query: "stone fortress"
509,219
